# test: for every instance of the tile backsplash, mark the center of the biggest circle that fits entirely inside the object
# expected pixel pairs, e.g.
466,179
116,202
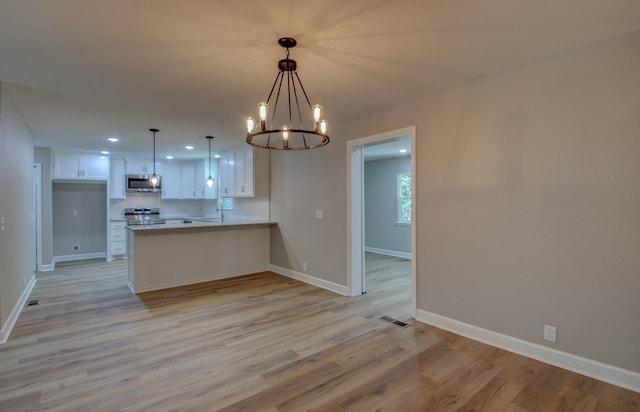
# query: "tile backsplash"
246,208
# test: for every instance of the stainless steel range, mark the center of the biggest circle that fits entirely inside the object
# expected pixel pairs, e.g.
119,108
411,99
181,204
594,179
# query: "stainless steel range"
143,216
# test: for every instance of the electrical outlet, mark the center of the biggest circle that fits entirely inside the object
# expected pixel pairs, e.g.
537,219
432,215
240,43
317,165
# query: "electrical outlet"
550,333
74,212
304,266
76,248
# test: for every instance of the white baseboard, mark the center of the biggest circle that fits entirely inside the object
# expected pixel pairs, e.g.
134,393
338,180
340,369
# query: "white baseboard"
395,253
584,366
47,268
80,256
7,327
312,280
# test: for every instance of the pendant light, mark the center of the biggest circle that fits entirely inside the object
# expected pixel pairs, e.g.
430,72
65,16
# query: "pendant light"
285,129
210,180
154,177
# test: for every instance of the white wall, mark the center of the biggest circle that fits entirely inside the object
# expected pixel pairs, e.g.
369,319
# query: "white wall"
527,200
17,241
380,206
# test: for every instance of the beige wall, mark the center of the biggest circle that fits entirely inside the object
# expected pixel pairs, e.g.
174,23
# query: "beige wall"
528,200
17,241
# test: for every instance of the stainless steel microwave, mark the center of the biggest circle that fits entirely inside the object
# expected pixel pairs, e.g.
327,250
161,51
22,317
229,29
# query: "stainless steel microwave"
142,183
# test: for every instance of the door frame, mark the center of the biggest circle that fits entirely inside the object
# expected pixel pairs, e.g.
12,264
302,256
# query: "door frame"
355,208
37,200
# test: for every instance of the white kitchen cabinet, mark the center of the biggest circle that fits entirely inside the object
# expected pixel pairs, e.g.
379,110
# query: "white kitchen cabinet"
117,184
142,167
227,174
187,180
201,174
117,239
73,166
244,172
171,180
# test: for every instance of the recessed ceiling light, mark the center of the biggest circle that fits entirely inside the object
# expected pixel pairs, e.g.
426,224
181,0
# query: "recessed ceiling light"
112,139
188,147
403,150
104,152
169,157
217,156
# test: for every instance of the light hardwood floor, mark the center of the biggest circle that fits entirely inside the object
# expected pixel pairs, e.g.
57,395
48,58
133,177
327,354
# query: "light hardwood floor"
388,285
261,342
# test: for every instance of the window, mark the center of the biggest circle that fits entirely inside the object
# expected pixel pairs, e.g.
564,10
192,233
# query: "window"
227,203
404,198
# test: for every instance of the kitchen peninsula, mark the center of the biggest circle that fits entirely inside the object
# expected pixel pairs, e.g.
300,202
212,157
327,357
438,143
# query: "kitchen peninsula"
164,256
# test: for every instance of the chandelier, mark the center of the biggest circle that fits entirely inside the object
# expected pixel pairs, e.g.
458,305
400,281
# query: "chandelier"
285,129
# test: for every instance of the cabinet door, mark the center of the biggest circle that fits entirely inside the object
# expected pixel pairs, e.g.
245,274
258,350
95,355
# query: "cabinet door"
171,180
240,189
201,174
227,174
94,167
188,180
117,185
66,166
138,167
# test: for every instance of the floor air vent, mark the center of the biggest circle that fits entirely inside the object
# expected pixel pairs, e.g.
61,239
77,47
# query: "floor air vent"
395,322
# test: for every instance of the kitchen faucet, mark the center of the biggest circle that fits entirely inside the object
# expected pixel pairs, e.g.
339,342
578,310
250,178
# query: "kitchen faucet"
221,209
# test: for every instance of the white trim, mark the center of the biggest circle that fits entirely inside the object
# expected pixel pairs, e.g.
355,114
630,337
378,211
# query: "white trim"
312,280
594,369
37,187
17,309
82,256
355,220
395,253
47,268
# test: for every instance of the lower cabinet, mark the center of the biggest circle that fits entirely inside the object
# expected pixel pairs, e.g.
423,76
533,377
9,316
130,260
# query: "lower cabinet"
118,239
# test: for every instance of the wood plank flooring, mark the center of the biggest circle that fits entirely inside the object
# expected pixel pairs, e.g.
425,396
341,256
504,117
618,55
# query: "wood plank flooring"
261,342
388,285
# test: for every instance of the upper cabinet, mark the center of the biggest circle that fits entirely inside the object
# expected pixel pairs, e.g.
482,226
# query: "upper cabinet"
142,167
202,173
227,182
244,172
117,184
70,166
186,180
171,180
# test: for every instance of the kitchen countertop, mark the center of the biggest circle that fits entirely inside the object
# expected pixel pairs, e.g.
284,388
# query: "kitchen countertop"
199,223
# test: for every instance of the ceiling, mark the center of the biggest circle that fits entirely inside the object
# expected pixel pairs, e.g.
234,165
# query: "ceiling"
385,149
81,71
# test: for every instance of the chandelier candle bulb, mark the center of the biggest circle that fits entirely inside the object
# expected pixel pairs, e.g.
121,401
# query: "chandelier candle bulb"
251,124
317,113
323,126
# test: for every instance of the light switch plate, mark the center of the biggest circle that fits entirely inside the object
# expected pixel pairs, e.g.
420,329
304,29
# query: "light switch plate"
319,214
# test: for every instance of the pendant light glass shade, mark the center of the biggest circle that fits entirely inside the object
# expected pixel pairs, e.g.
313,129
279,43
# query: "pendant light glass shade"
154,177
210,182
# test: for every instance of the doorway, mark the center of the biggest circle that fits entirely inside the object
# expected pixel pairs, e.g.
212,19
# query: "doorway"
356,203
